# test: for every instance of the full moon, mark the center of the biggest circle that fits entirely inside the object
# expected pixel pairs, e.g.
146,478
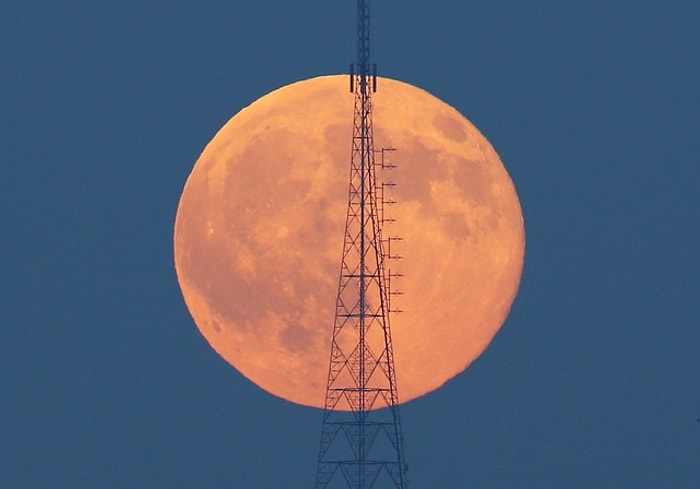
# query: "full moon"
260,225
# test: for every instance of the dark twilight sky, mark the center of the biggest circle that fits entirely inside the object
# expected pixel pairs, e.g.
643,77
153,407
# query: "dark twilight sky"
594,380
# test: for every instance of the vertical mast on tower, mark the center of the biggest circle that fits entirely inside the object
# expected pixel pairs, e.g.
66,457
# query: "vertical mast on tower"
361,443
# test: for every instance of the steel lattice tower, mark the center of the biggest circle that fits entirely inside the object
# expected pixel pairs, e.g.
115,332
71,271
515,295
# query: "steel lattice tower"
361,442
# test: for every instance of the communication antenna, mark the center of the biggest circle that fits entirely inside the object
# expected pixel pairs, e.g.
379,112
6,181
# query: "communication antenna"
361,442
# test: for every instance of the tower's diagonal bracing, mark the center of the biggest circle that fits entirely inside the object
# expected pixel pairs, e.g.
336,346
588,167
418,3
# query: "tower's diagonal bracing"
361,443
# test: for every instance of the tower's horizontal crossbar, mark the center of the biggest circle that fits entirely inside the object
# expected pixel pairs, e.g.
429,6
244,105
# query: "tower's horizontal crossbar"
364,462
374,275
354,423
358,389
360,314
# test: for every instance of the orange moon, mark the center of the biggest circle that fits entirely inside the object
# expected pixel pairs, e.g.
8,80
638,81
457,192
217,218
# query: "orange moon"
260,224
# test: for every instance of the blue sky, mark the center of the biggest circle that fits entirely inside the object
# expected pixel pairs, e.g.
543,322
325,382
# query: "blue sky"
594,381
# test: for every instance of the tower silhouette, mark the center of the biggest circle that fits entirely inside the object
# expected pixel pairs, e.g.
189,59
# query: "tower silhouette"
361,443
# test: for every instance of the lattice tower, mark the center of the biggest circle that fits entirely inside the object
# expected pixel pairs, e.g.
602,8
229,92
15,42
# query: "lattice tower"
361,442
